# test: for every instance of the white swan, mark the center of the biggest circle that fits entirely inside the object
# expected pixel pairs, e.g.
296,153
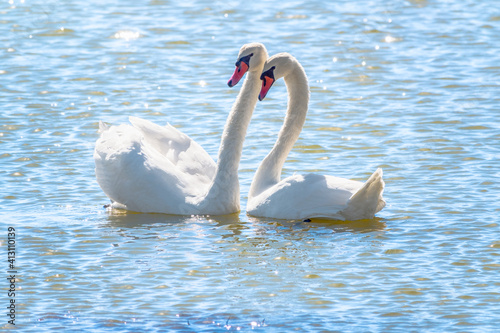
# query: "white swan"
311,195
155,169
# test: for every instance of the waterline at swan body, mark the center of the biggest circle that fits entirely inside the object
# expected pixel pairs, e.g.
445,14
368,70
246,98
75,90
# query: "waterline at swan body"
311,195
148,168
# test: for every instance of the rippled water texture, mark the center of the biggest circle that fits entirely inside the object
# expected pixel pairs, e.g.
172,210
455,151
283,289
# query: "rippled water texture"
409,86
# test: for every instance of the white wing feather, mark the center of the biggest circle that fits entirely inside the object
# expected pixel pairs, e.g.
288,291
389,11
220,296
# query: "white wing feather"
150,168
187,155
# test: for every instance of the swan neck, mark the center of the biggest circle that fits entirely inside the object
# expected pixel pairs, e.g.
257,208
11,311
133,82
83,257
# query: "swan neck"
225,182
269,171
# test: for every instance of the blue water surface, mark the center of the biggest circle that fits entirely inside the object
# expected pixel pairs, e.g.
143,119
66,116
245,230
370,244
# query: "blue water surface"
408,86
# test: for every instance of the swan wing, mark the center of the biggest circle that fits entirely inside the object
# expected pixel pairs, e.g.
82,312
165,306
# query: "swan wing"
137,176
304,196
187,155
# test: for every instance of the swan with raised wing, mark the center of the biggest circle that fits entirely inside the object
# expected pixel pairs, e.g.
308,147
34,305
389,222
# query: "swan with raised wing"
310,195
150,168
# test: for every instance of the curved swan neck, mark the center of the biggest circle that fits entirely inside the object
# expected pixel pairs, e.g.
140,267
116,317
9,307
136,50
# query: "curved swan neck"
269,171
225,182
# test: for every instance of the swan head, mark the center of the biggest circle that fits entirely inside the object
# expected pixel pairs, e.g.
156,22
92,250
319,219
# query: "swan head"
276,67
251,58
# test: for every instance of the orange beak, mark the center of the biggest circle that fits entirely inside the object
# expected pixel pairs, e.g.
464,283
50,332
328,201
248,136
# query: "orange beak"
238,74
267,82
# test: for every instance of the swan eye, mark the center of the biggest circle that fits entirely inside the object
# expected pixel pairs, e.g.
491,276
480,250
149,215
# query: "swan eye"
269,73
245,59
267,78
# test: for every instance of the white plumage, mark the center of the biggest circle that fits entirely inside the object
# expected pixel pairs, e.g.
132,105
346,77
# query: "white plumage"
311,195
145,167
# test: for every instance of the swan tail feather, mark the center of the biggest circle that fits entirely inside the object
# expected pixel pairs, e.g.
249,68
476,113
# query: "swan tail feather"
367,200
102,127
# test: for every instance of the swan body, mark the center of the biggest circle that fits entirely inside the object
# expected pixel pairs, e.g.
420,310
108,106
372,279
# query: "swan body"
145,167
311,195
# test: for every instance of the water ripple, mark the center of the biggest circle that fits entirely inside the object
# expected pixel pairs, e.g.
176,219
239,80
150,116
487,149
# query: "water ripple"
411,87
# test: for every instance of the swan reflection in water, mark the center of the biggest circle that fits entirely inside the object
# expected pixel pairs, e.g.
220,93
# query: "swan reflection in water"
237,224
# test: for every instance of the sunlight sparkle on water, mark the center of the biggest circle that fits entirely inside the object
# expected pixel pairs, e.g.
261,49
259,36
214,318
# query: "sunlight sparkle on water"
389,39
413,98
126,34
